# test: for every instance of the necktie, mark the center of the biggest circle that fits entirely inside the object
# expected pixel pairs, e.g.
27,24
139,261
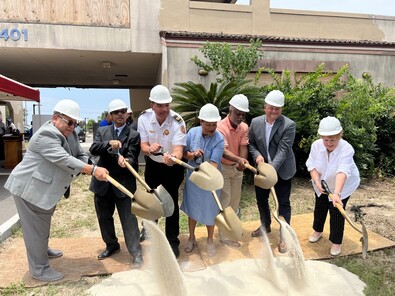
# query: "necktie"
117,133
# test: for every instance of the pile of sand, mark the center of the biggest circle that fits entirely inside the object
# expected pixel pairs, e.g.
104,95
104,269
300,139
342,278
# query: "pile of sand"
265,276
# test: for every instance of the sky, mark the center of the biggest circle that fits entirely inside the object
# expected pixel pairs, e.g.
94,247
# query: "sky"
94,101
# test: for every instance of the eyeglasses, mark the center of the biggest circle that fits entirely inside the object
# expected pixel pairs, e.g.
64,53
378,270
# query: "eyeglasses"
122,111
71,123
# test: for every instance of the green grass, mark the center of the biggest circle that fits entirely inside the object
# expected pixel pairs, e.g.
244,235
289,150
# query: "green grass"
76,215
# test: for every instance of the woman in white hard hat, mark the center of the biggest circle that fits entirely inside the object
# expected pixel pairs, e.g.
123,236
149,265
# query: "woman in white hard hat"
204,143
331,159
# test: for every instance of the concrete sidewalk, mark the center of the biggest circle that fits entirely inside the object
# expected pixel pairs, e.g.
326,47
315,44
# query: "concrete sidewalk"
9,218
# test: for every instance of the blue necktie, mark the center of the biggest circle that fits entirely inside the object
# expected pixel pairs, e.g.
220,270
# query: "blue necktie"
117,133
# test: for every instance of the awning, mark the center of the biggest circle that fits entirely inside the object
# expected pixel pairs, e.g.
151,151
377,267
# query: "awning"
11,90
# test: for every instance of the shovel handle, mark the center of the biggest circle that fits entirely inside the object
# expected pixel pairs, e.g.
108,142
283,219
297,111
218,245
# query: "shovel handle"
120,186
182,163
251,168
137,176
339,207
217,200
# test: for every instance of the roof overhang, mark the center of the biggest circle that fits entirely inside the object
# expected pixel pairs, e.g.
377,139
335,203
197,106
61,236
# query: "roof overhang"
11,90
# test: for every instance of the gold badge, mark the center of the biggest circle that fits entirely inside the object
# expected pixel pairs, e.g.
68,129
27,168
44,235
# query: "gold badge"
166,132
183,129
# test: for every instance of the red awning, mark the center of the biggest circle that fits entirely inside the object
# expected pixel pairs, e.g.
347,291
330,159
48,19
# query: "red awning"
11,90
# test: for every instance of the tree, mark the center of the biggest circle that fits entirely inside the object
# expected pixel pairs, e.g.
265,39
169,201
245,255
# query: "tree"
229,64
190,97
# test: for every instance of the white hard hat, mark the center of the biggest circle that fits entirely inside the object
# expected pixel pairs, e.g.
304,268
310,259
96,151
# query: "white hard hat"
160,95
130,110
69,108
209,113
240,102
116,104
275,98
329,126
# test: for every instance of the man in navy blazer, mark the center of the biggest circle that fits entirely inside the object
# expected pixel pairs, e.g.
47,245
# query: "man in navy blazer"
115,144
54,157
271,138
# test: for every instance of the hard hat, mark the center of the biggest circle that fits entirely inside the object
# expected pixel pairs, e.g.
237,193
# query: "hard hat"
69,108
209,113
160,95
130,110
116,104
329,126
275,98
240,102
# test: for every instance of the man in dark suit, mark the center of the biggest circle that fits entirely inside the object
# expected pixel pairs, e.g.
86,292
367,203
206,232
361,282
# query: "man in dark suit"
271,138
109,140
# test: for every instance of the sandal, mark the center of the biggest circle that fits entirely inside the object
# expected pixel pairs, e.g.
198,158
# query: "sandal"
190,246
211,251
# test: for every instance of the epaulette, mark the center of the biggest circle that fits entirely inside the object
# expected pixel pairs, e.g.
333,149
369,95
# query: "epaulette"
178,118
145,111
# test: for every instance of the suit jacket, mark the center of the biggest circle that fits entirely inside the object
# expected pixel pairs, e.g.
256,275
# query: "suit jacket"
280,144
48,167
130,149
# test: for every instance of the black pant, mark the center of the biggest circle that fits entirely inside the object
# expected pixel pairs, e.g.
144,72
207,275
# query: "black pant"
336,219
283,192
170,177
105,207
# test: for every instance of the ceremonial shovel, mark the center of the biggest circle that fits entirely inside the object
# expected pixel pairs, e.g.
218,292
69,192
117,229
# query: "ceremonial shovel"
144,204
364,238
208,178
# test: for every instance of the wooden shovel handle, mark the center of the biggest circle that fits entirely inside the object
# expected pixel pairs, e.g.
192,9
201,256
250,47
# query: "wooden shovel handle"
182,163
120,186
137,176
250,167
217,200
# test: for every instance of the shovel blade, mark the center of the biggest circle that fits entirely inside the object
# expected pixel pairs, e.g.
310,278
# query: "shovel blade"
165,199
146,206
207,177
267,176
229,224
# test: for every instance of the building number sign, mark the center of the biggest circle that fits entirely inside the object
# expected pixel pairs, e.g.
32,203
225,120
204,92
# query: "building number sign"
13,34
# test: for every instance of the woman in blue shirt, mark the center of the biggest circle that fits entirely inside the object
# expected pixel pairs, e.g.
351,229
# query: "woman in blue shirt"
204,143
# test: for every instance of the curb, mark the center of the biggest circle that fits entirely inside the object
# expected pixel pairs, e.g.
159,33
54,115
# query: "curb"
7,227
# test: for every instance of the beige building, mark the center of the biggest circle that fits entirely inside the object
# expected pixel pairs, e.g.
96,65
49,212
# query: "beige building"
137,44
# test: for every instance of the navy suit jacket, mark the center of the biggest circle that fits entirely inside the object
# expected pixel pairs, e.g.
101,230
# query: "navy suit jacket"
130,149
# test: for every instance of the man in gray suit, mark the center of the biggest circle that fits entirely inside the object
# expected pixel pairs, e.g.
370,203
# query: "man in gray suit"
271,138
40,180
115,144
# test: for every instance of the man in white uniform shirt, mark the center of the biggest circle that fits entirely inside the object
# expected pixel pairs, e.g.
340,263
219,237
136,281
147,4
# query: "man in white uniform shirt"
162,129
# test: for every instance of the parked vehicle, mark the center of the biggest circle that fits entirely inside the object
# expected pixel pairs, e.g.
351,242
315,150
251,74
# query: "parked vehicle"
80,133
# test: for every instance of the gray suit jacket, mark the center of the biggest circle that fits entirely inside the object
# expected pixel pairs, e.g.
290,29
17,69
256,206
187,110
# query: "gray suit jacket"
48,167
280,144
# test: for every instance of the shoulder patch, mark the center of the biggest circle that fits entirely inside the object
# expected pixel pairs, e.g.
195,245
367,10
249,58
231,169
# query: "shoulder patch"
178,118
145,111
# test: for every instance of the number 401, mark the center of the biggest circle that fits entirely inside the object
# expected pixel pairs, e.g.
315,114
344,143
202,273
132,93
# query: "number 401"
14,34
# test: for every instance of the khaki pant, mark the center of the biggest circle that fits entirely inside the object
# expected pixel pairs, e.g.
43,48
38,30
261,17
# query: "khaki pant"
231,192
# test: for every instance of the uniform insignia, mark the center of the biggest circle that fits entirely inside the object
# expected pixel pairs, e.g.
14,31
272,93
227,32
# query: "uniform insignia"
166,132
182,128
178,118
151,131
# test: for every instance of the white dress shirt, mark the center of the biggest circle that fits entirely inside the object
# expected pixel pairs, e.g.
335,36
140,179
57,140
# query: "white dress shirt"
327,165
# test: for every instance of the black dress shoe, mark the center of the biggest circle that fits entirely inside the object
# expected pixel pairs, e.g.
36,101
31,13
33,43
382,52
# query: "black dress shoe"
54,253
138,261
143,235
107,253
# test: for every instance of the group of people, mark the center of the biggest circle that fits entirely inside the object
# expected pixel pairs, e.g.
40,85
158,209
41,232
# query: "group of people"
55,156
